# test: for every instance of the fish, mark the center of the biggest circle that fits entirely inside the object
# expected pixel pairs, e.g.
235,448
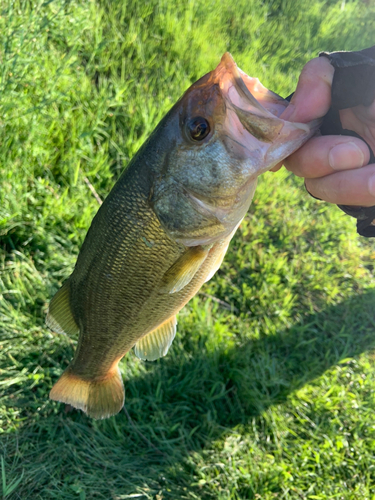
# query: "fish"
164,229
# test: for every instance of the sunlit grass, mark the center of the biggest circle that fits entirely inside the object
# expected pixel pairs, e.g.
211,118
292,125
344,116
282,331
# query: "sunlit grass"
267,391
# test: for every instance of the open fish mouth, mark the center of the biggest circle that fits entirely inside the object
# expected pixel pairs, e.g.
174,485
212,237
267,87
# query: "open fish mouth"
253,125
246,92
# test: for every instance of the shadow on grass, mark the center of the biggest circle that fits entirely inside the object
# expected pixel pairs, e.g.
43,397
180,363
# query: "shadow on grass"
181,404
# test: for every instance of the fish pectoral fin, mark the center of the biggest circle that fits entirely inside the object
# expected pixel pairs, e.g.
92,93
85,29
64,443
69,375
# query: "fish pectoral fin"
155,344
59,316
183,270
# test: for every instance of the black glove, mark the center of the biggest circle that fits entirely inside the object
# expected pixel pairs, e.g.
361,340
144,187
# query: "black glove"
353,84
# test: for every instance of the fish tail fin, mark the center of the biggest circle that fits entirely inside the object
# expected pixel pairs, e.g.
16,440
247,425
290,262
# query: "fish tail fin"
99,398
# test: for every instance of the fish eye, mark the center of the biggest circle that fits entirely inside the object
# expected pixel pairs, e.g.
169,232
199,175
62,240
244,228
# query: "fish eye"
198,128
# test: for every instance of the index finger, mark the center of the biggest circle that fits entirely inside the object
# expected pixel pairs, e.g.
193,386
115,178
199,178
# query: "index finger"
312,98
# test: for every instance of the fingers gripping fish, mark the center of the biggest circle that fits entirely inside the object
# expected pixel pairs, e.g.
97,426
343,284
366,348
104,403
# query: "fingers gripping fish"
164,229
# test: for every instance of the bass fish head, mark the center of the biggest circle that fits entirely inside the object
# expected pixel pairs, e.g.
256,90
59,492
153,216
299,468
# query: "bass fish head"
220,136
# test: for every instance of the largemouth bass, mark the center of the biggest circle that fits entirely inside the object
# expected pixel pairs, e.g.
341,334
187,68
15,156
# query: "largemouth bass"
164,229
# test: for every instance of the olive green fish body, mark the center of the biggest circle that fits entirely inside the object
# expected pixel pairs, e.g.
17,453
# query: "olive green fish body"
115,294
164,229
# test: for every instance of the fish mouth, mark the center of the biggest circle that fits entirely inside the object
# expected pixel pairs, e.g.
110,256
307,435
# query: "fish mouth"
248,91
253,127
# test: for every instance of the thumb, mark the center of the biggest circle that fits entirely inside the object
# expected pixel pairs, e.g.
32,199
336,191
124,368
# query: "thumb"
312,98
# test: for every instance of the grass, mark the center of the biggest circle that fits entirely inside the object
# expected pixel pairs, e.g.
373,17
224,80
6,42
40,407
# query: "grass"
268,390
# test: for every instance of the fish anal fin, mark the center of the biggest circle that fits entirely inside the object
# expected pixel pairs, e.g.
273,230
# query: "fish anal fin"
59,316
183,270
155,344
99,398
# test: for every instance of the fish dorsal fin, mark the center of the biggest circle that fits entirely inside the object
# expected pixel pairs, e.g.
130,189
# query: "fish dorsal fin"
183,270
155,344
59,316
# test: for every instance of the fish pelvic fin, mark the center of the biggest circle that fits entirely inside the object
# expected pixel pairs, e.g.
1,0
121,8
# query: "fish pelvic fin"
183,270
59,316
217,263
100,398
155,344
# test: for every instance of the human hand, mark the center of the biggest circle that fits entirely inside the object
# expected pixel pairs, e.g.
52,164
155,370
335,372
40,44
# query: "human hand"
335,168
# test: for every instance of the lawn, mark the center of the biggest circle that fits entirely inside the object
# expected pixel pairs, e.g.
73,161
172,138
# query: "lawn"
268,391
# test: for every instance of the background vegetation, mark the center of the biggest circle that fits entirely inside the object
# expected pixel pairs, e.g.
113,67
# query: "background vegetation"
268,390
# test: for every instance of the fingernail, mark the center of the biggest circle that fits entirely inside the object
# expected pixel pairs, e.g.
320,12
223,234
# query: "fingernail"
347,155
371,185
